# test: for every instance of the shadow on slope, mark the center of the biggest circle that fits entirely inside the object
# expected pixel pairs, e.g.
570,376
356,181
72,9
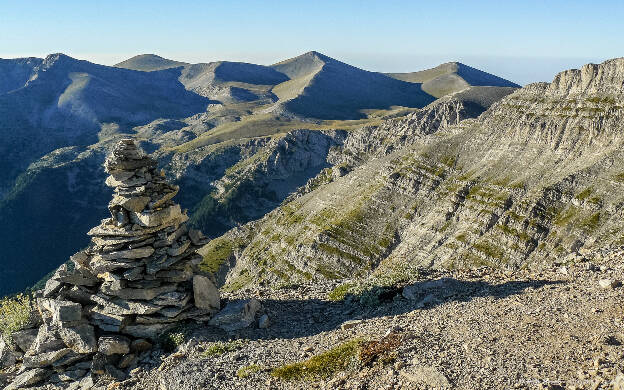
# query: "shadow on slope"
301,318
44,218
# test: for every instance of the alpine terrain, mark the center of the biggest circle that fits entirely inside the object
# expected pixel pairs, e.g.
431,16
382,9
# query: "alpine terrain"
309,224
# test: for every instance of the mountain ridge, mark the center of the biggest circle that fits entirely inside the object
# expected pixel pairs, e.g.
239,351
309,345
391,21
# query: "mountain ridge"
452,77
215,134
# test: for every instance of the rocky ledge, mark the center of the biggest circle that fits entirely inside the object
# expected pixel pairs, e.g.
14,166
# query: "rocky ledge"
138,278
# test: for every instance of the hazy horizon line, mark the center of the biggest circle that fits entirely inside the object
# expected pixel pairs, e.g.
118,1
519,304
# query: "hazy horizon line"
499,65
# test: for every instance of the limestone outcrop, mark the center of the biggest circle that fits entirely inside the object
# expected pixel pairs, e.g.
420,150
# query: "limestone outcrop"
137,279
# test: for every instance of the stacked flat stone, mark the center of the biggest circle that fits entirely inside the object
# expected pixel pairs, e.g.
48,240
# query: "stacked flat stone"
138,278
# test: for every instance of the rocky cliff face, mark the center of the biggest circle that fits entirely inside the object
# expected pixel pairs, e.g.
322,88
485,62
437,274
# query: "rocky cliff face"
536,177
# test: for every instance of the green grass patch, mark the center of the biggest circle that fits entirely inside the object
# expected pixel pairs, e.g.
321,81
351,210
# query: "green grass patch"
323,365
247,371
215,253
619,177
339,293
220,347
238,282
590,223
328,272
585,194
489,249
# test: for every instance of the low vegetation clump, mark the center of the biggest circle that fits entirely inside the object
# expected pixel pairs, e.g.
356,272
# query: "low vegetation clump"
14,314
217,252
220,347
381,287
171,340
340,293
247,371
382,351
322,365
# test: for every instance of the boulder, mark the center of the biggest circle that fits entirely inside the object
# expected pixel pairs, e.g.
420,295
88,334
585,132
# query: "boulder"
47,340
113,345
80,339
121,307
28,378
237,315
147,331
137,253
173,298
158,217
52,287
205,293
140,345
44,359
8,357
264,322
144,294
108,322
135,204
24,339
65,311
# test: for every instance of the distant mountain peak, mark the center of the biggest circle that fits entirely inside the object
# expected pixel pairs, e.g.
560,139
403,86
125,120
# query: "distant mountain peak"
451,77
149,62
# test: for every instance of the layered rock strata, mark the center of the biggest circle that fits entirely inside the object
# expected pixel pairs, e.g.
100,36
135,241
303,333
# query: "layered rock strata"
136,279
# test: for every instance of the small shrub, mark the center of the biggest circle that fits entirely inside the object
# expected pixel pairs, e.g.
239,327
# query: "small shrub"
245,372
322,365
171,340
220,347
382,351
14,314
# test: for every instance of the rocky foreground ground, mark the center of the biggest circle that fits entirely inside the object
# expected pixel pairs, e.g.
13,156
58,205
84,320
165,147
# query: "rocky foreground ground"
485,328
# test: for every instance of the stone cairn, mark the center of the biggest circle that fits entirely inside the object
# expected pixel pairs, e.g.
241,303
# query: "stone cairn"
138,278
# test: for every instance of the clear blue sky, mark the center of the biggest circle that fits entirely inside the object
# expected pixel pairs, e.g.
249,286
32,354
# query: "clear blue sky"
522,40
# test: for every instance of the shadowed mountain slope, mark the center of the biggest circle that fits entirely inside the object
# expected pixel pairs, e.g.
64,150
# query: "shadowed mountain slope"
149,63
65,102
322,87
16,72
232,82
452,77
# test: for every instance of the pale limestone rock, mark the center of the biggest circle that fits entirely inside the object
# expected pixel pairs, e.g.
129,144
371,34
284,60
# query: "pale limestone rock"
428,376
44,359
80,338
8,357
24,339
28,378
137,253
350,324
205,293
158,217
136,204
113,345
